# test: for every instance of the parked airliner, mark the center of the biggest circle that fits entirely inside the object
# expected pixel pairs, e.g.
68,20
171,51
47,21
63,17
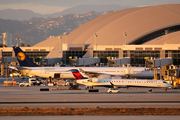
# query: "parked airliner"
28,67
95,82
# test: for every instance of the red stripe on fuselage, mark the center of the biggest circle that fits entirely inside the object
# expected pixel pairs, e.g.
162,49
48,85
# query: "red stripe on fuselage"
77,76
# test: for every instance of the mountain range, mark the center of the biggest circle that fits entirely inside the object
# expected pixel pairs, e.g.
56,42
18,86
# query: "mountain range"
33,28
23,14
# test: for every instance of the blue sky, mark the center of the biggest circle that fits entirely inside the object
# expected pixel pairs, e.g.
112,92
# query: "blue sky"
51,6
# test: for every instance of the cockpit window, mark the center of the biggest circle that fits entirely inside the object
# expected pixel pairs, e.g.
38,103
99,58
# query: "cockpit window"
164,82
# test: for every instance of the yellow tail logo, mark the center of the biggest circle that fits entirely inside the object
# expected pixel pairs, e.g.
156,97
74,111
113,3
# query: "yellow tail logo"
21,56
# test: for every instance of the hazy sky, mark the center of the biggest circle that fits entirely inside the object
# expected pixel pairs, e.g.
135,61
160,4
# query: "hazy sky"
51,6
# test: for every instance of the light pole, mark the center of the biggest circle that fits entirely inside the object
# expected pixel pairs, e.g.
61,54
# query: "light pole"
95,35
60,45
125,34
65,33
17,38
166,33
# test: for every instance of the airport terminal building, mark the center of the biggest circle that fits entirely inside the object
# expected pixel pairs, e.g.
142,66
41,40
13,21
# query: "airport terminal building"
137,33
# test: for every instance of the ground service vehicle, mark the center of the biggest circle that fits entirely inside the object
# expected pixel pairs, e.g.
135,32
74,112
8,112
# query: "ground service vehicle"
15,74
24,84
33,81
113,90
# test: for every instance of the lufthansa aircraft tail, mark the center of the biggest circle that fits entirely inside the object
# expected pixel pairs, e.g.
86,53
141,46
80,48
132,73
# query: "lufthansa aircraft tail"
77,74
23,59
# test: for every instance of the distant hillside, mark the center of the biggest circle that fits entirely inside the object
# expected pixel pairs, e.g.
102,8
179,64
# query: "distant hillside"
33,28
23,14
20,15
82,9
37,29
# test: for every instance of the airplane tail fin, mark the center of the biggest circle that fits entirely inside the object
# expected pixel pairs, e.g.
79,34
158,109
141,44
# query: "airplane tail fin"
77,74
23,59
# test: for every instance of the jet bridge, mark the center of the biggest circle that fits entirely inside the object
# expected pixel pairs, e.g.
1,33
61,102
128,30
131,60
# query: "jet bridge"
158,62
84,61
155,63
4,60
50,61
119,62
171,74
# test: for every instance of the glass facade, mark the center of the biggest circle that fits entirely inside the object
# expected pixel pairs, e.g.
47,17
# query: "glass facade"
72,54
106,54
6,54
33,55
175,54
138,57
37,55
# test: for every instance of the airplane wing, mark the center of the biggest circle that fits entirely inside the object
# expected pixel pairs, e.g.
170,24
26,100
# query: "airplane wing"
13,68
91,74
18,68
21,70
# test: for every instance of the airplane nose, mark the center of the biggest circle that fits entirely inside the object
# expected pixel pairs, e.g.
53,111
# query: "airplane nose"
169,85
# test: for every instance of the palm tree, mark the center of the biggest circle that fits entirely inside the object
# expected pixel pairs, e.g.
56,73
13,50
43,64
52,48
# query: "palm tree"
22,44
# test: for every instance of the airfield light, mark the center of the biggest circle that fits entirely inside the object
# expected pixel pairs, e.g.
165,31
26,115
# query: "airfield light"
166,33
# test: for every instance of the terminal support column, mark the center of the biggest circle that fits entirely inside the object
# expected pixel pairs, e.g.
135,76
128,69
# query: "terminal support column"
2,64
2,68
155,73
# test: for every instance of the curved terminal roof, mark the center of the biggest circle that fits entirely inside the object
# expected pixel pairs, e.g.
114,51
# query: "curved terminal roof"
138,23
51,42
172,38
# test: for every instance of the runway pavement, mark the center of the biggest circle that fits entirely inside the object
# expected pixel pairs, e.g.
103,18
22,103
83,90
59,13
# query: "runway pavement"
15,96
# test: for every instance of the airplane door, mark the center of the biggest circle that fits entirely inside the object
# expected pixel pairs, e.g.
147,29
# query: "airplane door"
128,71
159,85
57,75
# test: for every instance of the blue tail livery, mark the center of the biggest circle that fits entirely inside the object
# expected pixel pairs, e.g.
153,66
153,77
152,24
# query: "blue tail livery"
77,74
23,59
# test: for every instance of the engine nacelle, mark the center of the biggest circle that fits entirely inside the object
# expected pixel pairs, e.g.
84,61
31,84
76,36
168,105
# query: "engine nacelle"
94,80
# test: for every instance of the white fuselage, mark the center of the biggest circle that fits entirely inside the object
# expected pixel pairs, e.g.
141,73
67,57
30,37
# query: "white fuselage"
124,83
46,72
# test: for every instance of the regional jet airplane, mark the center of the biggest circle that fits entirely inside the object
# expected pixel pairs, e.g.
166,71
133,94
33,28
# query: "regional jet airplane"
28,67
95,82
